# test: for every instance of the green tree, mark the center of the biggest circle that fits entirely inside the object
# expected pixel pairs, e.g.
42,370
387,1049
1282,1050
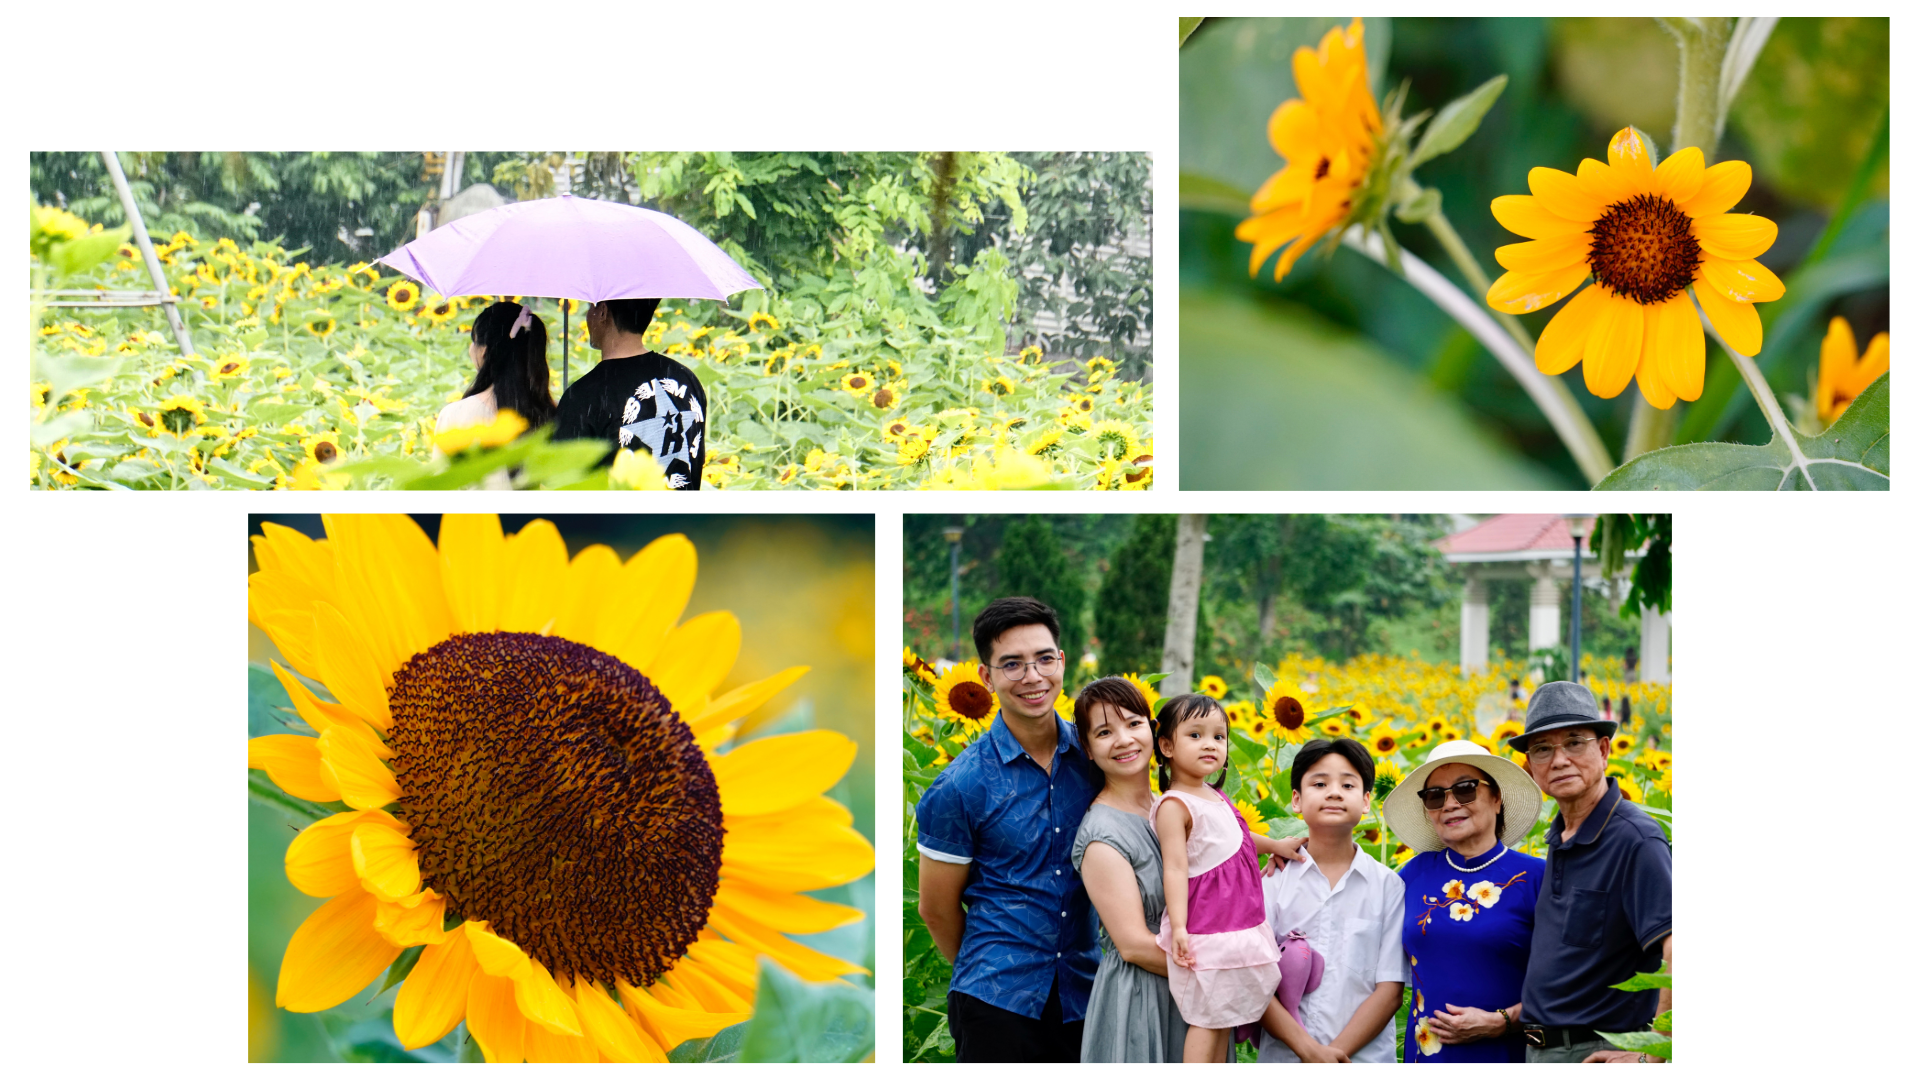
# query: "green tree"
1130,613
1031,563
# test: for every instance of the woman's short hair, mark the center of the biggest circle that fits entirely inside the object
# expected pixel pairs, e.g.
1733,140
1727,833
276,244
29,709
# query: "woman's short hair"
1113,692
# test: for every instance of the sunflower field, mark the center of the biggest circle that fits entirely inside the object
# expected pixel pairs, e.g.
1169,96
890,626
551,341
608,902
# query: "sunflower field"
1398,706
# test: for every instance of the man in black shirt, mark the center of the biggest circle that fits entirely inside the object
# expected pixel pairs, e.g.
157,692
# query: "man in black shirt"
636,398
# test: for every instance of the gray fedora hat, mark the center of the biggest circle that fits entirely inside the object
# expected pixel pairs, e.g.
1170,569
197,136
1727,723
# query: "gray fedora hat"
1562,705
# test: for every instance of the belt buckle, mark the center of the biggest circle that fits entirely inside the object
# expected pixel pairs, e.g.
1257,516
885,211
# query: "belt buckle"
1536,1035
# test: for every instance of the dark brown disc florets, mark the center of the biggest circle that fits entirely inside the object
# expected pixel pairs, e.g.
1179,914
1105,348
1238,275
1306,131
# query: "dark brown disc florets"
554,792
1644,249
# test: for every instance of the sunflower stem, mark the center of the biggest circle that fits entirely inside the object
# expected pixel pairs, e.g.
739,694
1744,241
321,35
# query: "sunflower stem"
1548,392
1463,258
1763,396
1703,52
1649,429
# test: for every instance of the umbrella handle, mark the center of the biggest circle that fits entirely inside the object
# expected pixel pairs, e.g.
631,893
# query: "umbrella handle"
565,344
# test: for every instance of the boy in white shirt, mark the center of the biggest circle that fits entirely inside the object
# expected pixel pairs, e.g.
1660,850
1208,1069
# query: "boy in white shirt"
1349,907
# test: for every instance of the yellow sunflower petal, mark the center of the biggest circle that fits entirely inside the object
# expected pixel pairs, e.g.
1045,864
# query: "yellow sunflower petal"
1565,339
772,774
613,1032
1268,231
413,920
1744,280
1517,293
655,586
496,955
1677,347
1873,364
384,859
365,782
807,963
1604,182
1613,347
1628,152
1723,186
1541,256
1735,236
783,911
434,997
742,700
320,859
734,966
705,990
1563,196
333,954
1653,385
542,1001
811,846
535,563
669,1025
1737,323
494,1020
324,716
697,655
290,628
293,762
389,583
1527,216
589,582
472,553
348,667
546,1046
1681,176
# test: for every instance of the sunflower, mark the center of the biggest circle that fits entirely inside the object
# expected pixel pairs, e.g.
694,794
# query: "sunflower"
1146,690
1032,354
1334,728
401,296
1046,443
858,382
1645,236
1285,709
911,664
884,397
631,874
180,414
1622,743
1116,439
321,449
895,430
961,698
1251,816
148,420
913,448
505,427
1242,714
1073,419
1386,777
1327,136
439,313
998,386
1214,687
1100,368
1844,373
320,324
1382,740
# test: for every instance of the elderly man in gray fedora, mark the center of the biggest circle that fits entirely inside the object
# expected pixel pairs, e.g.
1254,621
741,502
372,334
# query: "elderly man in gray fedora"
1606,906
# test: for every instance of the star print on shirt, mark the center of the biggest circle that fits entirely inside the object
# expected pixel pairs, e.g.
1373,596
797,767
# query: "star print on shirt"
674,430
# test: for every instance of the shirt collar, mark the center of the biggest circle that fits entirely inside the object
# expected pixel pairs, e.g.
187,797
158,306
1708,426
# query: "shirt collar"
1008,749
1368,867
1602,813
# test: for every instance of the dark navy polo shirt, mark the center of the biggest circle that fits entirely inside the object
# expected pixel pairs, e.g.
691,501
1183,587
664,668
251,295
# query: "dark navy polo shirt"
1028,921
1606,904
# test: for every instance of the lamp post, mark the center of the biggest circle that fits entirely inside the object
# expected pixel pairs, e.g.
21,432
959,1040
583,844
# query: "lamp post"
1579,526
953,534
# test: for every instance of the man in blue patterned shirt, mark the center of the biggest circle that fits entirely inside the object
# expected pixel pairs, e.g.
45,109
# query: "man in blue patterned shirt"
997,885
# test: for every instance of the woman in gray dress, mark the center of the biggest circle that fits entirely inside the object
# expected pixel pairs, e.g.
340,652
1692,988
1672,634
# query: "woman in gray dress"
1131,1015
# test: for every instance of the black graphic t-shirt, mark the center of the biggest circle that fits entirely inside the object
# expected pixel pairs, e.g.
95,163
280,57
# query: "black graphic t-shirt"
649,402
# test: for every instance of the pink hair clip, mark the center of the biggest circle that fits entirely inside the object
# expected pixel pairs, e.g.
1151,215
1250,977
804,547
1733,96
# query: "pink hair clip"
525,320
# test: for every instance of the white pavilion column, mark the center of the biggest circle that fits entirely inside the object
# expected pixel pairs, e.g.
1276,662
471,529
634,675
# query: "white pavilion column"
1543,612
1473,626
1656,634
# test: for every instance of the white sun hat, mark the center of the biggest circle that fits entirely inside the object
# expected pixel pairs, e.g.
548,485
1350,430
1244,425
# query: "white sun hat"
1519,795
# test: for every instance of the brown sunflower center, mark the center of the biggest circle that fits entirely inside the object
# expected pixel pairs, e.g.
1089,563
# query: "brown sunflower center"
1644,249
325,452
554,792
971,700
1288,713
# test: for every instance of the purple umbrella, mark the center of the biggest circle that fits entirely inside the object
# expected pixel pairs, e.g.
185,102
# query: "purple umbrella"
583,248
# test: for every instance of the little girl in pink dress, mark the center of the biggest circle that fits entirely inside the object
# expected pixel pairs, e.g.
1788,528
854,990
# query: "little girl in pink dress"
1225,963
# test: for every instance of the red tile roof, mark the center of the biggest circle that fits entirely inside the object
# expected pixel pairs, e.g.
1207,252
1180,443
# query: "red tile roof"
1510,533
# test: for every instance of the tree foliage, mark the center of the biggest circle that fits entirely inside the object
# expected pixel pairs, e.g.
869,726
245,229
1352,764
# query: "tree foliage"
1031,563
1130,613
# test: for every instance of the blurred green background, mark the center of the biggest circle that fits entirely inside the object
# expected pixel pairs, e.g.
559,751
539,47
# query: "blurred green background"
802,587
1343,376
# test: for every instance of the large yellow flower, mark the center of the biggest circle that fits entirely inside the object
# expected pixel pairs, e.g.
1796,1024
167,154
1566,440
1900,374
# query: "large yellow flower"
1327,136
960,696
1285,707
527,747
1645,236
1844,372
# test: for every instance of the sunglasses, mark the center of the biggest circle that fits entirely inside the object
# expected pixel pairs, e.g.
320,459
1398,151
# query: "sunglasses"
1464,792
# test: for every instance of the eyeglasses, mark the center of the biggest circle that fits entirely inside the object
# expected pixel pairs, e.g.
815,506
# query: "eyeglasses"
1541,753
1017,669
1464,792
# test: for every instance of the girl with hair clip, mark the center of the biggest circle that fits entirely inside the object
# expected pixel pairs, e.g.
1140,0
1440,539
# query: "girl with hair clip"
509,352
1225,962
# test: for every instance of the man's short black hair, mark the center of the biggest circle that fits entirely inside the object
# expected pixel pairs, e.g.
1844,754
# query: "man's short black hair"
630,316
1355,753
1006,613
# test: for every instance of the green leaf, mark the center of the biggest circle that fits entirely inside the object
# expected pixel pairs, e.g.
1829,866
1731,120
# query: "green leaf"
938,1041
1251,750
1420,207
1154,679
239,476
1264,678
922,754
1457,120
1325,714
85,252
1641,1042
1188,26
1657,980
723,1046
1664,1023
1851,455
69,372
400,968
794,1020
